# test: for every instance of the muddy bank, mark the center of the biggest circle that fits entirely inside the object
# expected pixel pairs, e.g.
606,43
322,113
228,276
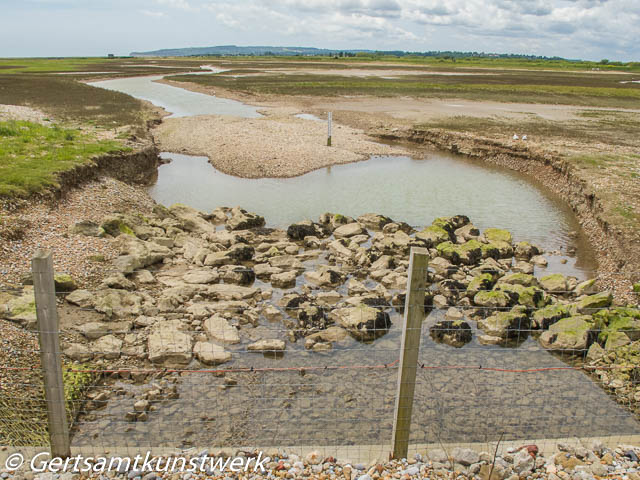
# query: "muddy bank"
617,251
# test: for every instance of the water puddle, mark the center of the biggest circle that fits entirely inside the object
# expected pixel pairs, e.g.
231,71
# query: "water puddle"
308,116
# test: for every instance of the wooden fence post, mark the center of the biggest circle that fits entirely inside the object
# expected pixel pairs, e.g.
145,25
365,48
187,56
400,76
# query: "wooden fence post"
409,350
45,296
329,129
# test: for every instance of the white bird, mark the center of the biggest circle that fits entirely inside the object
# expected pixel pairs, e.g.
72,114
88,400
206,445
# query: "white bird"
515,136
524,137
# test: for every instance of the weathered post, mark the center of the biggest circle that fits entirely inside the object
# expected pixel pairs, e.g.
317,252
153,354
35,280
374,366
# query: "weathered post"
329,128
45,296
409,350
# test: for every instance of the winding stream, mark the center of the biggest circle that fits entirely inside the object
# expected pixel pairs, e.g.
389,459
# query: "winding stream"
354,407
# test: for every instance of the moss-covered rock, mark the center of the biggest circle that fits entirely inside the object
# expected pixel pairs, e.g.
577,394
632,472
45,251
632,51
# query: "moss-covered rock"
497,235
554,283
19,308
547,316
520,279
513,324
571,334
467,253
455,333
497,250
479,283
64,282
616,340
593,303
433,236
588,287
492,299
531,297
623,320
636,287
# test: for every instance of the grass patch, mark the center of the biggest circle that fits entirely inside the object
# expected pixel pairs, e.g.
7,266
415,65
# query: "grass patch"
502,86
32,154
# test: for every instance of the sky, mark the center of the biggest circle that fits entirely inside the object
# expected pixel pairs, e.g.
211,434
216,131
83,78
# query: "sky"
585,29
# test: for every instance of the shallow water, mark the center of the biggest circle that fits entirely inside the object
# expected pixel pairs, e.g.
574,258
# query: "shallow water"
405,189
178,101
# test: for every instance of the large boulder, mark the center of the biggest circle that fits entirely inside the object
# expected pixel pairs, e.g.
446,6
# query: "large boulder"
136,253
526,250
520,279
118,303
284,279
455,333
615,322
482,282
569,334
168,344
514,324
88,229
362,322
528,296
108,347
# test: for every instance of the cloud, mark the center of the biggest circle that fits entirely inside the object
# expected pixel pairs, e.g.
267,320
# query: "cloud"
150,13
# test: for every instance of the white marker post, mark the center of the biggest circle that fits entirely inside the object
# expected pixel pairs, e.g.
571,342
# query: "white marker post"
329,133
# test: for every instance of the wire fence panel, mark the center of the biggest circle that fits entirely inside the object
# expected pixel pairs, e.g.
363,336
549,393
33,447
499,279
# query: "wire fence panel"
228,366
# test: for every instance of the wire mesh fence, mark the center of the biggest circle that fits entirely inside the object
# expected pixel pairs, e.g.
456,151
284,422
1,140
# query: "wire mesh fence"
233,366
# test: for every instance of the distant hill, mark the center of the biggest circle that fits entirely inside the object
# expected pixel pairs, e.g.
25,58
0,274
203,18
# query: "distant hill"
235,50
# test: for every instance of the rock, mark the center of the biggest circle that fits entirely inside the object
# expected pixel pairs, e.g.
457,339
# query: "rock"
554,283
593,303
284,280
468,253
340,248
87,228
497,250
78,352
118,303
270,345
271,313
349,230
223,291
468,232
492,299
64,282
595,352
118,280
568,334
539,261
615,340
237,275
210,353
549,315
264,270
525,250
108,347
20,308
297,231
168,344
95,330
81,298
482,282
513,324
454,333
433,236
523,462
330,335
438,455
373,221
363,322
531,297
328,298
136,253
588,287
453,314
394,280
243,220
465,456
440,301
325,276
519,279
219,329
201,277
497,235
191,220
141,406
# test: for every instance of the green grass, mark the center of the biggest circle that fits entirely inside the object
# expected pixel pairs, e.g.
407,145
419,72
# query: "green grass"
500,85
31,155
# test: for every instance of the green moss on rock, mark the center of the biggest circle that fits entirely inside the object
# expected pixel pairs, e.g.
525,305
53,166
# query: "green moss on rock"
497,235
549,315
